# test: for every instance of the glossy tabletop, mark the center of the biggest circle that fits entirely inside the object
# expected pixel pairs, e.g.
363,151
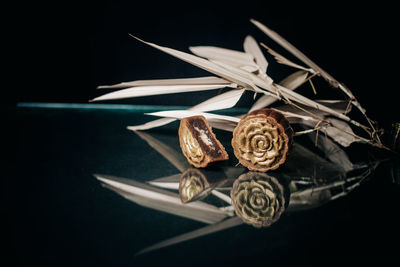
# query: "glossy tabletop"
86,191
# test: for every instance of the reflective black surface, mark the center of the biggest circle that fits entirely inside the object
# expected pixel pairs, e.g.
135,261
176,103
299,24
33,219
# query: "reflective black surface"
73,198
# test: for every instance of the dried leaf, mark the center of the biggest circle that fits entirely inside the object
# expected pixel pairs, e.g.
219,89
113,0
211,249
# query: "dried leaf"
311,103
264,82
291,82
336,129
341,106
297,53
250,46
204,64
158,82
294,80
158,90
342,133
180,114
282,60
222,101
285,44
231,57
151,124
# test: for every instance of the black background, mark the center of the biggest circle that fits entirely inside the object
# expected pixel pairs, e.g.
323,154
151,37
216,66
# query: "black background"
61,51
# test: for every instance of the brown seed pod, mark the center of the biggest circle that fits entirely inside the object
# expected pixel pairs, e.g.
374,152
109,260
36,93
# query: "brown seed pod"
262,139
198,142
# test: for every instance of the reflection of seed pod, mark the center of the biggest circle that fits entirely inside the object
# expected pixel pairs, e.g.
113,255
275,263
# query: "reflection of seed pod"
198,142
262,140
196,184
258,199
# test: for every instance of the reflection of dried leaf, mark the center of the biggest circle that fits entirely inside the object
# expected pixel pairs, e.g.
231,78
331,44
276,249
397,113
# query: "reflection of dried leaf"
162,200
333,152
226,224
173,156
251,47
169,182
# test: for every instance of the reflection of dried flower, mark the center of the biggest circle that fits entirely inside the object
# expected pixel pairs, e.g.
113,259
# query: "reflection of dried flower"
258,199
262,139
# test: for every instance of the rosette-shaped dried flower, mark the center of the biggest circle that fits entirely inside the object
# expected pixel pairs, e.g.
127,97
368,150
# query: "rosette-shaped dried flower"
198,142
258,199
262,140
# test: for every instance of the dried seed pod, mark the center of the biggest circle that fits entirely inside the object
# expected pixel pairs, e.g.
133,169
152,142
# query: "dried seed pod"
258,198
198,142
262,140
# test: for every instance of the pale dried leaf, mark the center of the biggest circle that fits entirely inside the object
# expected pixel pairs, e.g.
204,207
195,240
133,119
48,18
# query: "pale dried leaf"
336,129
204,64
158,90
294,80
223,125
311,103
250,46
291,82
222,101
342,133
232,57
180,114
250,68
180,81
265,82
151,124
341,106
282,60
297,53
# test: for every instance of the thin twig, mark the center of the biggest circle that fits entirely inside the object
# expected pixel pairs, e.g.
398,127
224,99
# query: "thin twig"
312,86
